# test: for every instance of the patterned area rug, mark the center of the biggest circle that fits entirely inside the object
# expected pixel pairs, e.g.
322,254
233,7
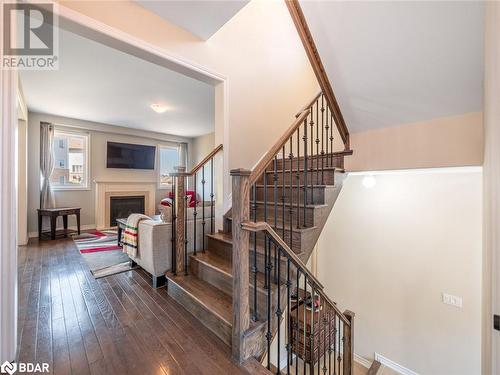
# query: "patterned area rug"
102,253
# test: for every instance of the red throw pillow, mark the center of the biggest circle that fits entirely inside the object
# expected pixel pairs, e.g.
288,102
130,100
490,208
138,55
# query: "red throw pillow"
193,201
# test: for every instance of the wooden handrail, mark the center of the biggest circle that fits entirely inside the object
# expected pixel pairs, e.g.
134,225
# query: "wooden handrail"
263,226
309,105
269,156
318,68
205,159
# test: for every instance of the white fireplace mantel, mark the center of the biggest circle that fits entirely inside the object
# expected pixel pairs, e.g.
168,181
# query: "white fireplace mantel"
107,189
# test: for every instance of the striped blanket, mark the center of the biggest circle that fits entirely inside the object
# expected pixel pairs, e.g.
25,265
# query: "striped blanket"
130,242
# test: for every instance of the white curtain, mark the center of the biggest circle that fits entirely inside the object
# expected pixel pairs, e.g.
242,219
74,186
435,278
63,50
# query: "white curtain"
46,164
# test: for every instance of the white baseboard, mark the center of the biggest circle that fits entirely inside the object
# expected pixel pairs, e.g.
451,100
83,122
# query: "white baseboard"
393,365
363,361
72,227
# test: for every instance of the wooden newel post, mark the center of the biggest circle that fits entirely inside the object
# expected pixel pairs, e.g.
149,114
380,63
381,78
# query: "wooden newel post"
180,213
241,304
349,343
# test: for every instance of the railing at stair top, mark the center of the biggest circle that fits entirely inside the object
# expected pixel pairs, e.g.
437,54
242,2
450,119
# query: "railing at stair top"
280,191
185,211
316,331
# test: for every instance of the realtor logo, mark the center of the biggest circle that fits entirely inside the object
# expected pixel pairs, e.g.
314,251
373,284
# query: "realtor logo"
29,35
8,368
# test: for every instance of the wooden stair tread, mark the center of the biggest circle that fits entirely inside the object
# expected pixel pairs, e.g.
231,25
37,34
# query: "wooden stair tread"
209,296
294,205
225,265
311,170
227,238
279,227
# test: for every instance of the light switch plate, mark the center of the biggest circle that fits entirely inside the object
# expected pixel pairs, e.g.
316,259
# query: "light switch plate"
452,300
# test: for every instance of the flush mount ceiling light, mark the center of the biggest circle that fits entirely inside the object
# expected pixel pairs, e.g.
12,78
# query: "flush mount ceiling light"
159,108
369,181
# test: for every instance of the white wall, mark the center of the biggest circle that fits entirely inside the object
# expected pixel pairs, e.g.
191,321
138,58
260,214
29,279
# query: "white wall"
491,269
387,253
99,135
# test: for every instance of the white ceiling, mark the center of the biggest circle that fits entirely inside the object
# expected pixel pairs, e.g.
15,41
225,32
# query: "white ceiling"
395,62
200,18
98,83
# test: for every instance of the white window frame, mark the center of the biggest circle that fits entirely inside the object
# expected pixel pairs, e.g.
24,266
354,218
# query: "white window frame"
86,169
158,175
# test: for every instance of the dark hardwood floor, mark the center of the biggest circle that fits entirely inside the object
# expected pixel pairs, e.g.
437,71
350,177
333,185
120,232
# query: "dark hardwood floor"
114,325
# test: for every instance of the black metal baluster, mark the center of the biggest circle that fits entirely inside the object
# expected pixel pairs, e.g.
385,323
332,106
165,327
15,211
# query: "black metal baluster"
297,326
339,358
331,140
304,323
269,334
311,337
185,202
297,177
195,213
317,142
212,216
327,127
288,316
329,340
324,331
322,141
174,225
275,197
266,241
278,317
335,343
254,268
290,208
311,124
305,171
203,222
283,193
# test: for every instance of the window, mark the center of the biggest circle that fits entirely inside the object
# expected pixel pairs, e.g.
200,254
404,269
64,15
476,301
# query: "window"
169,159
71,156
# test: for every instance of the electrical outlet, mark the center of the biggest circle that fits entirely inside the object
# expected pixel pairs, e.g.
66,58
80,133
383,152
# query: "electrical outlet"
452,300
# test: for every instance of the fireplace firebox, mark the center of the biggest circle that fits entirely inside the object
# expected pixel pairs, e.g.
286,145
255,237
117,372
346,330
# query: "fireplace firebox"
123,206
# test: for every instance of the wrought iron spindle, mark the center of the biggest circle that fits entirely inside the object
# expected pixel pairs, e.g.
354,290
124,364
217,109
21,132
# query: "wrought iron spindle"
330,340
283,192
322,140
331,141
290,208
324,332
304,323
203,221
311,332
297,325
297,177
185,202
311,124
278,315
305,171
174,222
212,216
339,358
195,213
327,127
275,196
254,268
317,142
269,334
289,320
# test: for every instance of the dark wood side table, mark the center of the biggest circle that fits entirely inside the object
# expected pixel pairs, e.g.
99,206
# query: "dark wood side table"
53,213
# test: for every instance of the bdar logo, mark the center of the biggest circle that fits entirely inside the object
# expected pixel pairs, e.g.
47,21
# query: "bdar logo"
8,368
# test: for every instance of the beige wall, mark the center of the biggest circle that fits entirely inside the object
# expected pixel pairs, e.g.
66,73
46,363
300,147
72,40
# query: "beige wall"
99,135
268,76
441,142
387,253
491,259
201,147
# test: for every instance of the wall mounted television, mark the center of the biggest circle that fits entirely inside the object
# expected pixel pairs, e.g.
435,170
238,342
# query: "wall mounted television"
130,156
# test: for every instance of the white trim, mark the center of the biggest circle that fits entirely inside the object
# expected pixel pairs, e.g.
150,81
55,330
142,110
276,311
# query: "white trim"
467,169
72,227
363,361
8,219
393,365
